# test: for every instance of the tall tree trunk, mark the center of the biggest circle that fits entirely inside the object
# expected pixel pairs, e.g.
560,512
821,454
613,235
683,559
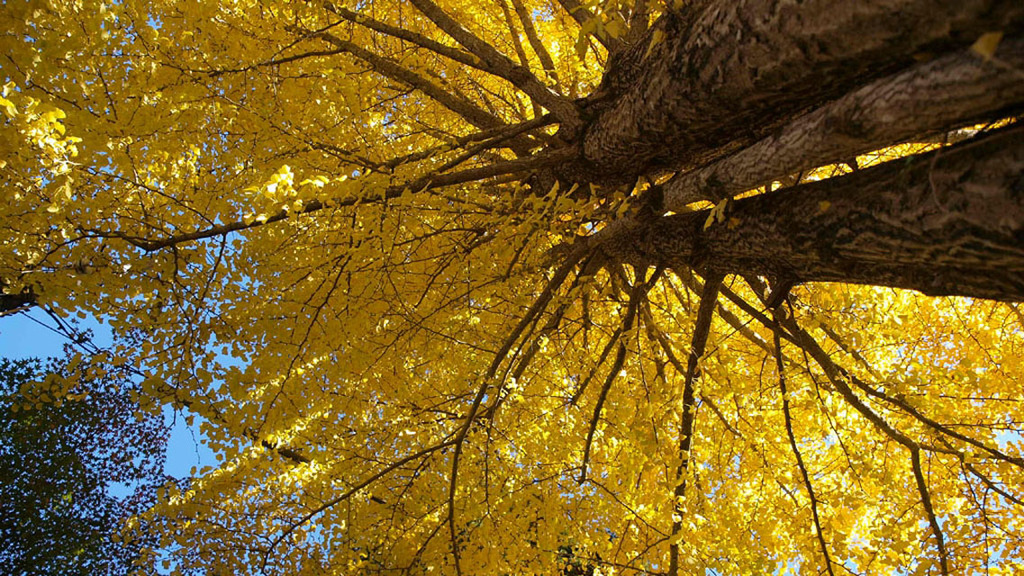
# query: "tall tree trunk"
948,92
727,73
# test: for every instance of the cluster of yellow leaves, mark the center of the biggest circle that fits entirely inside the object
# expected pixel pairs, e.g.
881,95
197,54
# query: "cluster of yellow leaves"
357,335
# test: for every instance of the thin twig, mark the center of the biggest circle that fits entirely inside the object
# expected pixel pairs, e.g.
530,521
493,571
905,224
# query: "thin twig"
637,293
796,451
926,501
701,330
538,306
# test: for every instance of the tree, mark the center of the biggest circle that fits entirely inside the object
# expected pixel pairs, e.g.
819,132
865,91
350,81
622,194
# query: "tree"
62,446
498,287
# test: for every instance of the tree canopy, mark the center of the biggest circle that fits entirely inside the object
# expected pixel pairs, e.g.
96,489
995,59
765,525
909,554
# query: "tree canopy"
75,463
506,286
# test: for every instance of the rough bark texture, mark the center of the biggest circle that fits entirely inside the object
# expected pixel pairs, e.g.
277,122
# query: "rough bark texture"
728,75
948,222
950,91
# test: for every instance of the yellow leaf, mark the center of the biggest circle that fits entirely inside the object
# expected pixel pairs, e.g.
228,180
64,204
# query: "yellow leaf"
9,108
656,38
717,214
986,45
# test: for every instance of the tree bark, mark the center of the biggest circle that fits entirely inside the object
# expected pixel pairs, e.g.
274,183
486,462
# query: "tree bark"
946,223
730,74
948,92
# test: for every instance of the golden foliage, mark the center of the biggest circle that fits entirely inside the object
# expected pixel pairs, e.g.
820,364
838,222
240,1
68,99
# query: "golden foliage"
252,207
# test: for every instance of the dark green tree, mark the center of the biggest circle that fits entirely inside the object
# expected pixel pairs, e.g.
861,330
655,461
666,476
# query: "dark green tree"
75,463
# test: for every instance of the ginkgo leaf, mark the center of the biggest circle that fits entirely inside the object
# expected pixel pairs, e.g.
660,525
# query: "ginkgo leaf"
987,44
437,282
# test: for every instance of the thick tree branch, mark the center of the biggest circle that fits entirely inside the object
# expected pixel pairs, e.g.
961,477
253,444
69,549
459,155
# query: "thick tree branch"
839,379
950,222
639,21
947,92
729,75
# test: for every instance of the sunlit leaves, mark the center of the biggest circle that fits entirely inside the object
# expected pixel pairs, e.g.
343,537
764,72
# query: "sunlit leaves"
252,210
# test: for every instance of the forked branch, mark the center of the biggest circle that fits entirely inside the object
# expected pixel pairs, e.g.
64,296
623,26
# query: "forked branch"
519,76
538,306
701,330
796,450
839,378
426,182
636,295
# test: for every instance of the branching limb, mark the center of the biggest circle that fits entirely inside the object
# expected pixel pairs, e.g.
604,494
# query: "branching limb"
992,485
796,452
535,345
391,69
520,77
583,17
926,501
612,341
733,320
535,42
427,182
352,491
517,45
620,357
513,32
666,346
536,308
701,330
937,426
496,140
906,407
835,337
839,378
494,137
636,296
415,38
